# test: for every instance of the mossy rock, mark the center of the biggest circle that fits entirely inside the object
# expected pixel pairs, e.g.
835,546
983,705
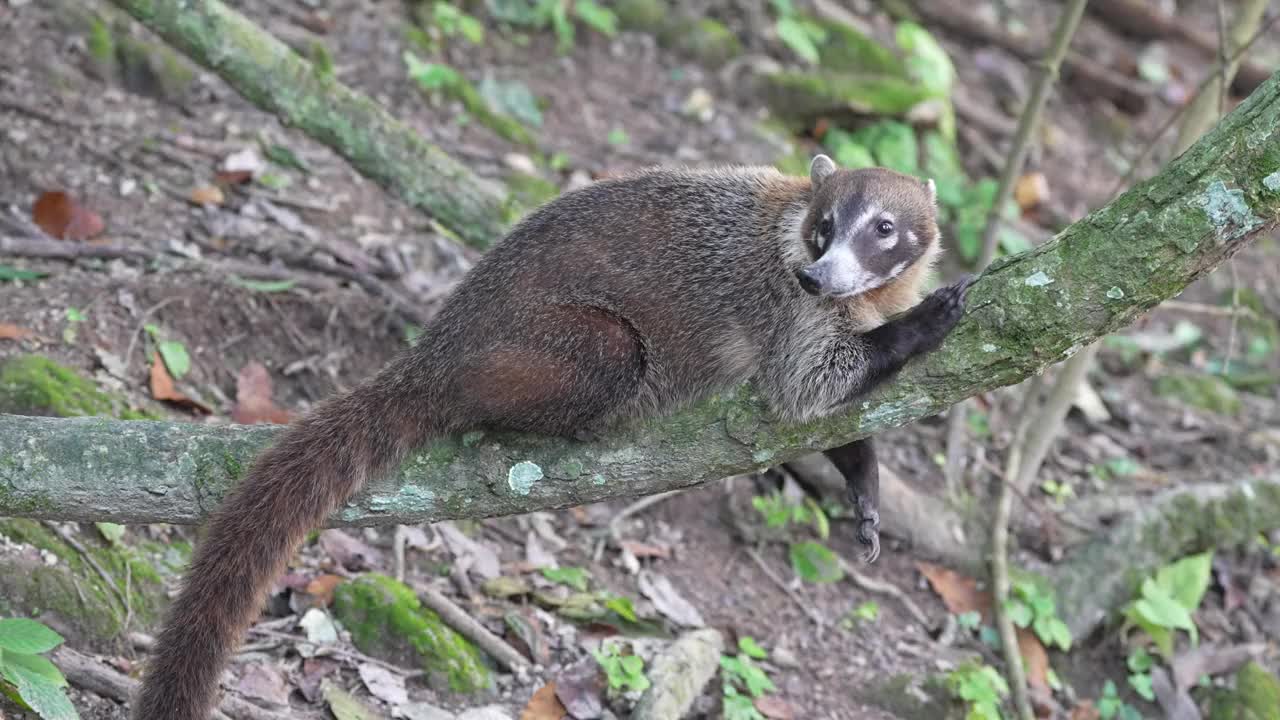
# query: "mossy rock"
1208,392
798,97
386,620
36,385
44,578
706,40
1256,696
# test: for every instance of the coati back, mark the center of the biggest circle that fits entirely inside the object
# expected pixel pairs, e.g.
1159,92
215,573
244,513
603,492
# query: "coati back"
625,299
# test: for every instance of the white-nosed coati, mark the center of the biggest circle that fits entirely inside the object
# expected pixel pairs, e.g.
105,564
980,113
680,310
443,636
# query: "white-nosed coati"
627,298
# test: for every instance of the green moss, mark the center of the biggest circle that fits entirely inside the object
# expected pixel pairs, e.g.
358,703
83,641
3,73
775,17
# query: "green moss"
387,620
1208,392
531,191
707,40
71,594
642,15
36,385
800,96
1256,696
848,50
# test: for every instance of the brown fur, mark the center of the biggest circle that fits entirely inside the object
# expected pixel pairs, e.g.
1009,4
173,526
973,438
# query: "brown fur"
624,299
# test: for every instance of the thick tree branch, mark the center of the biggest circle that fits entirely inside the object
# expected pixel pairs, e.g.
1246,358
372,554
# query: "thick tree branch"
1026,312
273,77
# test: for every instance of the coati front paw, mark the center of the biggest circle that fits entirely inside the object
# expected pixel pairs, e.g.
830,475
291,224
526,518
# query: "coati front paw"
936,316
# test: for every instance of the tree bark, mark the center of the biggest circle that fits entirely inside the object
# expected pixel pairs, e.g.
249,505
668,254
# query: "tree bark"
276,79
1025,313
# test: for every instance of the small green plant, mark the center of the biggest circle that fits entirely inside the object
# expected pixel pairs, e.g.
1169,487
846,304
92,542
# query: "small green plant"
173,353
1032,605
1166,601
618,137
74,317
797,32
981,688
867,612
574,577
1059,491
779,511
29,679
1116,467
451,22
622,671
1139,663
558,14
743,680
1111,707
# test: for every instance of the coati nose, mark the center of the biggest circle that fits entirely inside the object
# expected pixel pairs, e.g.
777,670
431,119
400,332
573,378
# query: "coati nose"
807,282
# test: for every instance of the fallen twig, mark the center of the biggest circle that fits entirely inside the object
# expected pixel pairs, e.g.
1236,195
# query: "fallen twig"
89,674
791,593
883,587
460,620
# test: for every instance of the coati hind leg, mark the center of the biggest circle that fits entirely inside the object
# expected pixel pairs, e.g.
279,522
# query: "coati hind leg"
566,370
856,461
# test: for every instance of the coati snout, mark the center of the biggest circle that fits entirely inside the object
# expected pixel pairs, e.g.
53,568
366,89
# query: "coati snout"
864,228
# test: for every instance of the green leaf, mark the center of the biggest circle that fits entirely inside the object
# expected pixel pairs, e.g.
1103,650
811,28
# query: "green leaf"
618,136
429,75
36,665
969,620
846,151
894,146
512,98
1187,579
1141,684
74,315
175,357
1139,660
112,532
517,12
1058,633
20,635
598,17
942,163
740,707
46,698
265,286
927,62
751,648
815,563
574,577
1019,613
13,273
868,611
796,35
622,606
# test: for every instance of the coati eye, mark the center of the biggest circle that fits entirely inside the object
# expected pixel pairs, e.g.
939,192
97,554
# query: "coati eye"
885,228
826,227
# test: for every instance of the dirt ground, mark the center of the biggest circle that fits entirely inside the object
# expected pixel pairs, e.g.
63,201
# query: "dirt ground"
134,157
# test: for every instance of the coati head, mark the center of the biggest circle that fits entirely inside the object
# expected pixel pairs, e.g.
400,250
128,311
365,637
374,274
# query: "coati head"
864,228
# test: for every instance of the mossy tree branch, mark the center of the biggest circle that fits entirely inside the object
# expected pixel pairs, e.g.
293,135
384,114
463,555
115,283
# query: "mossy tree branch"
1025,313
274,78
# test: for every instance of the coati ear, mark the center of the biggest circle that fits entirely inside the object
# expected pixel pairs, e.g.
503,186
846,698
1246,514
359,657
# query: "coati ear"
933,191
821,167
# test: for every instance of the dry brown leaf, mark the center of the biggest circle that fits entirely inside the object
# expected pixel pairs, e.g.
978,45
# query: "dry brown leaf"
207,195
1085,711
9,331
544,705
162,389
253,398
62,217
774,708
958,592
321,589
1035,660
647,550
1031,190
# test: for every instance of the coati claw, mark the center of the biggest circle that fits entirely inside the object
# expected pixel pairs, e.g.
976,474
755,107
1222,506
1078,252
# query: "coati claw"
868,529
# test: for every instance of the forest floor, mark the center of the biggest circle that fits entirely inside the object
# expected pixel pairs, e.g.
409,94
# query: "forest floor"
133,150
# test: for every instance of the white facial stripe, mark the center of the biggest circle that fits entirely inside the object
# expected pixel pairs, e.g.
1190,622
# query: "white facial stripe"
844,273
888,243
865,217
911,238
897,269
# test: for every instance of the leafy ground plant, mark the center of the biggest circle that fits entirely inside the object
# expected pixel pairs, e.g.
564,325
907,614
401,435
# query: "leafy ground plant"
981,688
623,671
1032,605
813,561
744,681
1166,601
29,678
558,14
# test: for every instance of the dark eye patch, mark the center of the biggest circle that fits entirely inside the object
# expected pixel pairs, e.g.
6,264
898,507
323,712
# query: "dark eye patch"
884,228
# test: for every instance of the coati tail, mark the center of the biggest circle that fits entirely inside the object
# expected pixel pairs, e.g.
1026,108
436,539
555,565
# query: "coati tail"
291,488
